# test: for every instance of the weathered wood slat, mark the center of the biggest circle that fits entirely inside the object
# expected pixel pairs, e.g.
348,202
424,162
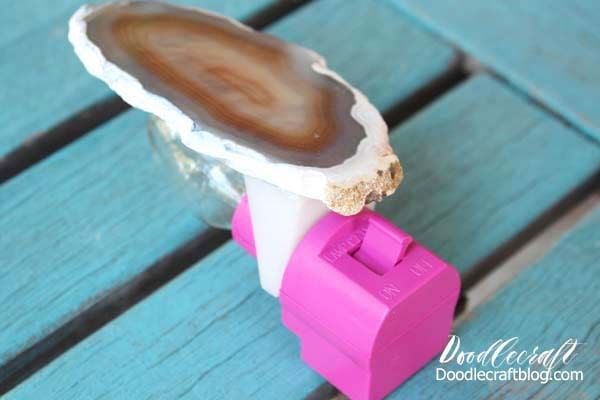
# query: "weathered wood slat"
99,212
212,332
23,17
554,300
481,165
549,49
86,220
43,81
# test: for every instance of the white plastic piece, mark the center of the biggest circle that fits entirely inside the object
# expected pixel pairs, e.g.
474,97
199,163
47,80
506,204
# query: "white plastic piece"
280,220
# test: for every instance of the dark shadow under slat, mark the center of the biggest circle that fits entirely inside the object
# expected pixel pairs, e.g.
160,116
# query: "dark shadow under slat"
38,147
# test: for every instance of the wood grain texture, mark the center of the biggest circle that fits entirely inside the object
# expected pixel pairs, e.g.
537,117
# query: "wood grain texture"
80,224
99,211
552,301
212,332
43,81
549,49
218,336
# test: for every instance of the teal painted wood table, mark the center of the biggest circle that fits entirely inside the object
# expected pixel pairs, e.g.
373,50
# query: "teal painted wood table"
110,287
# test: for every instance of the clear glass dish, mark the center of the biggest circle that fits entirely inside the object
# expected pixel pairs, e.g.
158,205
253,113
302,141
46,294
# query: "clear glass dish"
211,188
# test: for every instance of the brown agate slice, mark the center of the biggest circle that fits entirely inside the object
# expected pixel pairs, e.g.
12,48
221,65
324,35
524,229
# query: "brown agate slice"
266,107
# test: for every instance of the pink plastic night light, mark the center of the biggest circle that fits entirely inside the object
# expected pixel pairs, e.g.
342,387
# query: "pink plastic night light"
370,305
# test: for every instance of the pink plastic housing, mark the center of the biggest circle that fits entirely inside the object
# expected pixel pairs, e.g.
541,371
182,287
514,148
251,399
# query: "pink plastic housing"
370,305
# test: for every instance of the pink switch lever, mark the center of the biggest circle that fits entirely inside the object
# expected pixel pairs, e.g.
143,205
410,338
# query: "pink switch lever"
370,305
382,236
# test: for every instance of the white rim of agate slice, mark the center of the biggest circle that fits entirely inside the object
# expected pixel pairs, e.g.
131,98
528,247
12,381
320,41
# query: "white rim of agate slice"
372,173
